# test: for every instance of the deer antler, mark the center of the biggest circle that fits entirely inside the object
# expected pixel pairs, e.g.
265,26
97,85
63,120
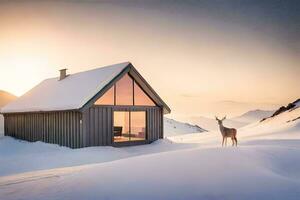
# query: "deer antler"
224,118
216,118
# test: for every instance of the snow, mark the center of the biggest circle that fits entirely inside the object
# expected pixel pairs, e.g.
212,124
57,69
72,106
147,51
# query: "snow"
70,93
211,125
253,116
17,156
173,127
265,165
236,122
188,174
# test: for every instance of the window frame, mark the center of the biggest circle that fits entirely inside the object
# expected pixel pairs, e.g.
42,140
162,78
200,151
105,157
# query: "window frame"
133,95
129,110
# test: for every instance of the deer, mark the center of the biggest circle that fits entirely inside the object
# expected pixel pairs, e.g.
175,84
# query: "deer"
227,132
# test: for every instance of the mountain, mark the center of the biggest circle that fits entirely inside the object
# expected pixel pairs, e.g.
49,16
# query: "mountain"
212,125
5,98
284,124
282,109
236,122
253,116
173,127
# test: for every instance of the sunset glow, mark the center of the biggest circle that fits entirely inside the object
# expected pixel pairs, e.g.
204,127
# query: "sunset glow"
191,58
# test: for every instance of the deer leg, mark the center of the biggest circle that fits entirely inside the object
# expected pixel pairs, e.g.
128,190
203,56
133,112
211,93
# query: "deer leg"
232,140
235,141
223,142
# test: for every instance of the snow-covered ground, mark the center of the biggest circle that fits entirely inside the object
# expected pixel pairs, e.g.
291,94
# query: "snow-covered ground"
17,156
266,165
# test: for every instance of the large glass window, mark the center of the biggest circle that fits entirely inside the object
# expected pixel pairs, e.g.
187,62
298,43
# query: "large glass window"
107,98
129,126
124,91
121,126
140,97
138,125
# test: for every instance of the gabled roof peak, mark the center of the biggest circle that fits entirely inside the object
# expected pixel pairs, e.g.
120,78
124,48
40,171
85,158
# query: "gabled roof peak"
75,91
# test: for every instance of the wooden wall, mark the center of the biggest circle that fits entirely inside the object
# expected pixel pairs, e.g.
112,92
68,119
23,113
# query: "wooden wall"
93,127
155,123
63,128
98,124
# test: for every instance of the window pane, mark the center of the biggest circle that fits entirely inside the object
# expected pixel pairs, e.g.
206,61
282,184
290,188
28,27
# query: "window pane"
121,126
107,98
140,97
138,125
124,93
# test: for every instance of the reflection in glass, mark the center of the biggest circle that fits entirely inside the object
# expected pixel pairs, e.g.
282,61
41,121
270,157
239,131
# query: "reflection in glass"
124,91
121,126
138,125
107,98
140,97
129,126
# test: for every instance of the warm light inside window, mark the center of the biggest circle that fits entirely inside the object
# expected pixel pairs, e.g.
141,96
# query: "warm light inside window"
126,92
129,126
140,97
107,98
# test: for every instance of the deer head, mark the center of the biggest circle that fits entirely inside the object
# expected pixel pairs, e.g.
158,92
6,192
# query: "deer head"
220,121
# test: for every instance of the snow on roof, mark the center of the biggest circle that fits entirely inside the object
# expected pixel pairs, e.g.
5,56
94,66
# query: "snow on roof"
73,92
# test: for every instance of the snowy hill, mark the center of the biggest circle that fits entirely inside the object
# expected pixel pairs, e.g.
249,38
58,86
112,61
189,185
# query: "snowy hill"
212,125
173,127
265,165
285,123
282,109
236,122
253,116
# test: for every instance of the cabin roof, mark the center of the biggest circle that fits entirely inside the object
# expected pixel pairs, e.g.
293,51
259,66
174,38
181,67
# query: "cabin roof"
71,93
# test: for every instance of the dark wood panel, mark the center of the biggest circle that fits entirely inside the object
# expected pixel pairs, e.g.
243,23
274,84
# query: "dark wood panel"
54,127
99,125
74,129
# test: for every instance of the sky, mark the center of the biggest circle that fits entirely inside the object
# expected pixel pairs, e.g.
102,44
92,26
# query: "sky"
204,58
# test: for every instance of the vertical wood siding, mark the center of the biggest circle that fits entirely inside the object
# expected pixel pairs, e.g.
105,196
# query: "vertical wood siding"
61,128
94,127
97,122
154,123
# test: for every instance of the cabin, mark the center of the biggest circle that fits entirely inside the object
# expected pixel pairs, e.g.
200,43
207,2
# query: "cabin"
107,106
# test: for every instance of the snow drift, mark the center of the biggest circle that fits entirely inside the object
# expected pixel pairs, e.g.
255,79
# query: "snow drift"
173,127
266,165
